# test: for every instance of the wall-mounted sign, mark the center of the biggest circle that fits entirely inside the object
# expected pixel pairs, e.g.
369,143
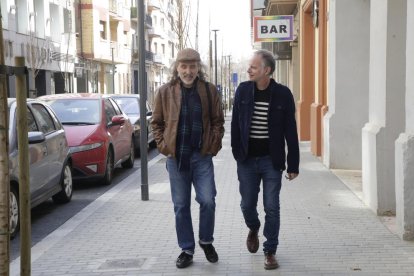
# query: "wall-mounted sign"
235,79
273,28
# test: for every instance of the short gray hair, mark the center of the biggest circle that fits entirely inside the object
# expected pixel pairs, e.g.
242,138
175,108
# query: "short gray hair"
268,59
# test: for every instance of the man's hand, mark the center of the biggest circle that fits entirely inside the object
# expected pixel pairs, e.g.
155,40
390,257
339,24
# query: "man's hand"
291,176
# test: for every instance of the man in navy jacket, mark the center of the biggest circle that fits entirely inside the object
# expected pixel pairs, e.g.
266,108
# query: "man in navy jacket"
263,119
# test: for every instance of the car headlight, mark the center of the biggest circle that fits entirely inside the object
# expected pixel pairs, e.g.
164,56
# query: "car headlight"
85,147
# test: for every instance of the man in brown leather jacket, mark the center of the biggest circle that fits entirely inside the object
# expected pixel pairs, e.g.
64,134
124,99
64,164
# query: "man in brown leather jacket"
187,124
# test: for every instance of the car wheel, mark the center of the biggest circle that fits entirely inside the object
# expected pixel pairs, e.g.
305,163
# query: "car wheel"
14,212
129,163
109,168
65,195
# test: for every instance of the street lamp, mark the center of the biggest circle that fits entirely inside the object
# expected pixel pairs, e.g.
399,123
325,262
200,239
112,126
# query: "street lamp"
229,56
113,69
142,100
215,55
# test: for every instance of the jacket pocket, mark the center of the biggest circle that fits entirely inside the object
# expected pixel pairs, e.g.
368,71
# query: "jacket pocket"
213,143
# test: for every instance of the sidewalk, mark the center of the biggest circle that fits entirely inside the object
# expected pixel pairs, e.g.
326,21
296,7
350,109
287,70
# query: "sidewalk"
325,230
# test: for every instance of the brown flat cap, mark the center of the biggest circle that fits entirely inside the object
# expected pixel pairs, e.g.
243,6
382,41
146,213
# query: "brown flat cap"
188,54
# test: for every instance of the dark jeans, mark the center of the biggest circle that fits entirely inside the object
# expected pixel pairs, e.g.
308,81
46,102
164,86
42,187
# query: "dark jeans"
201,176
250,173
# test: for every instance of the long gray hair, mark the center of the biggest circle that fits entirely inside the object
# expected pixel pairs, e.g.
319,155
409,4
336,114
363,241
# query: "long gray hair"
202,75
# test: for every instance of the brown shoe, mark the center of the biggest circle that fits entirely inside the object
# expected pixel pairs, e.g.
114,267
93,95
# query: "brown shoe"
252,241
270,261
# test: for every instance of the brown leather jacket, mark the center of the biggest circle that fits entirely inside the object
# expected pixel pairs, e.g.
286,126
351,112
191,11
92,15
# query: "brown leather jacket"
166,114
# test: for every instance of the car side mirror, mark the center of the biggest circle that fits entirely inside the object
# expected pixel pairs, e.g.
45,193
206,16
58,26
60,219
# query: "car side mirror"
118,120
36,137
149,113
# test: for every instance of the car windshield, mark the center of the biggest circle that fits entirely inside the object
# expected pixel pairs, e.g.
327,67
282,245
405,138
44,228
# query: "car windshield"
77,111
129,105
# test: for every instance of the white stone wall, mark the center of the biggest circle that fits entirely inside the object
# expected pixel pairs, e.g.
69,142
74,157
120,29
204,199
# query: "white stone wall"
348,69
404,146
371,99
386,103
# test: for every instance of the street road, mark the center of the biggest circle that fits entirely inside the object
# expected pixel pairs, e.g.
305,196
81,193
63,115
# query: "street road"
49,216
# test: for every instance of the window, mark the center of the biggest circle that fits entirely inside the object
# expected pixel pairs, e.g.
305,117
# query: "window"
55,119
77,111
43,118
155,47
129,105
109,111
126,38
162,23
116,107
102,29
172,49
31,122
163,48
67,21
11,48
171,21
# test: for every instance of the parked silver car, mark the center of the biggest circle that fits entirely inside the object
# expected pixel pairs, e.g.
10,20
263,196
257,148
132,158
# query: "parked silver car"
49,159
129,103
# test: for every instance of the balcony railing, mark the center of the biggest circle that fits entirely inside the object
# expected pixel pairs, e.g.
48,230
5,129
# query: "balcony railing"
159,58
149,56
155,32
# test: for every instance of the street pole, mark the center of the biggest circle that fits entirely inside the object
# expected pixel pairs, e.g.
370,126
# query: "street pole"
113,71
210,59
142,101
229,83
223,74
215,56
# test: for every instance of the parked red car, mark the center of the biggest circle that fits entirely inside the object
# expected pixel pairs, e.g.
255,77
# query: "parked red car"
99,134
129,103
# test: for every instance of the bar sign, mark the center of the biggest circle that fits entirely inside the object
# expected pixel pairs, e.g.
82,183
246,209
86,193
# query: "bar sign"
273,28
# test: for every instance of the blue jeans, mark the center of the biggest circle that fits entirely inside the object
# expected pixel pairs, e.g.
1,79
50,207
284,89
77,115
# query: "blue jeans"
250,173
201,176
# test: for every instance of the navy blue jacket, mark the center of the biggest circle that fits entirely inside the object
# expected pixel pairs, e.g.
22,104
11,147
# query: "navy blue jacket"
281,124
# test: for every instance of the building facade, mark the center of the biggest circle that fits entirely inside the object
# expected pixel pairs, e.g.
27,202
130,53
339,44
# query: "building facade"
103,46
355,102
162,41
88,45
43,32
